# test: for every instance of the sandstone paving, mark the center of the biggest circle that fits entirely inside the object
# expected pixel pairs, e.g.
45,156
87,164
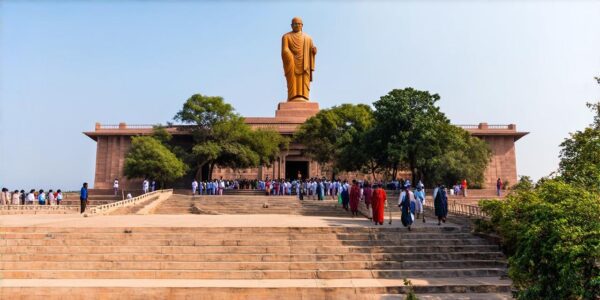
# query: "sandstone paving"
191,220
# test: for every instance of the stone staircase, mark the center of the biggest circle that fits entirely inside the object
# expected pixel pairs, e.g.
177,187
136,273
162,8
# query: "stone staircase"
238,204
249,263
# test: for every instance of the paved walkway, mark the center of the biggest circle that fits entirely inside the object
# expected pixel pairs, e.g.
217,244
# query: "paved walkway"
270,220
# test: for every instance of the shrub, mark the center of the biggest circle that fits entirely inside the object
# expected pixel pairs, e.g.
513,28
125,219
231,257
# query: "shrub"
551,234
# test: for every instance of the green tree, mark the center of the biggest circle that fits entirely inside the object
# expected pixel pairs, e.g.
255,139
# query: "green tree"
552,236
462,156
413,133
148,158
332,136
221,137
580,153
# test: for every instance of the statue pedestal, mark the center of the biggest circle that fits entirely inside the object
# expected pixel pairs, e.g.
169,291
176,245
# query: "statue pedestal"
296,110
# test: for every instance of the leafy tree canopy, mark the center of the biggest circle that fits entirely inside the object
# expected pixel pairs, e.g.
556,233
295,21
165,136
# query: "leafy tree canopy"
329,135
411,132
221,137
148,158
580,153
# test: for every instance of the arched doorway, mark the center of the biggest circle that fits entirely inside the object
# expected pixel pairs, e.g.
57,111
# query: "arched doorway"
295,168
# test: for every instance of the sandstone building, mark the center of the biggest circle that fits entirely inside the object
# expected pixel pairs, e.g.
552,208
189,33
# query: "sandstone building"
113,142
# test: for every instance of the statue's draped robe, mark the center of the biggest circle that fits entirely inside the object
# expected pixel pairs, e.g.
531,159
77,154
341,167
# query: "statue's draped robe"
298,63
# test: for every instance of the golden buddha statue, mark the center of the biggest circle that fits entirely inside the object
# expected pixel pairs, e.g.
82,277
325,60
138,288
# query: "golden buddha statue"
298,55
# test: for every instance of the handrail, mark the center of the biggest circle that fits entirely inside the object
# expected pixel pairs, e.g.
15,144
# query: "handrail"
36,207
110,206
462,209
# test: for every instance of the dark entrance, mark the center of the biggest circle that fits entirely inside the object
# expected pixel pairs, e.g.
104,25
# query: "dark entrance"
294,168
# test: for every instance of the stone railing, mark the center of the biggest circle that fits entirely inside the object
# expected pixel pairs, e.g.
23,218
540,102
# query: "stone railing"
461,209
107,208
122,126
488,126
33,209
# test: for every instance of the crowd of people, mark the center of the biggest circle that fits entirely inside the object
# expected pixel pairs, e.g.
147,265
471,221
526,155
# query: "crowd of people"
33,197
349,194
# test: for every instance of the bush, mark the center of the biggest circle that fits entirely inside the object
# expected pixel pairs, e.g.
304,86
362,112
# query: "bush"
551,234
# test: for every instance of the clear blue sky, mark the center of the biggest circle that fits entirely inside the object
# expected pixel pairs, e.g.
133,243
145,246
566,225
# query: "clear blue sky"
69,64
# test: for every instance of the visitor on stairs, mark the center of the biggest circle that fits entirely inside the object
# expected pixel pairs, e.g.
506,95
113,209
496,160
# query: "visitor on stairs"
441,204
31,197
4,197
464,187
194,187
368,195
42,198
407,202
345,196
498,186
145,186
16,197
59,197
23,196
354,198
116,186
420,201
378,202
51,198
83,196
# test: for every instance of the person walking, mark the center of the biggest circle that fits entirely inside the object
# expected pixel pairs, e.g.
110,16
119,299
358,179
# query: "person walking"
464,187
22,197
116,186
83,196
16,197
59,197
4,197
498,186
406,202
51,198
378,201
153,186
420,201
354,198
345,196
368,194
31,197
441,204
145,186
194,187
42,198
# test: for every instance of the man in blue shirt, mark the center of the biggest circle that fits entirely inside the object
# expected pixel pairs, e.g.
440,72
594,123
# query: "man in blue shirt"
83,196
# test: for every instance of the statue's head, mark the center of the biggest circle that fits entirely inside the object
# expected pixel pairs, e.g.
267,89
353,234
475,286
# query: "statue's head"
296,24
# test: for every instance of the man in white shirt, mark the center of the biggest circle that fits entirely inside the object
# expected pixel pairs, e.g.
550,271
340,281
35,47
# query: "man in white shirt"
194,187
116,186
145,186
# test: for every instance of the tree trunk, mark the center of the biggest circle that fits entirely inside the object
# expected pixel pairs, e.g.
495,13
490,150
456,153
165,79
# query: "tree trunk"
210,170
199,173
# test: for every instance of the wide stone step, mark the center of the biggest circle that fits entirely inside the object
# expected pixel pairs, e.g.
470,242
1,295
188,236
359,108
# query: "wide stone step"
160,265
255,289
255,257
250,274
265,231
243,249
427,295
237,236
244,242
